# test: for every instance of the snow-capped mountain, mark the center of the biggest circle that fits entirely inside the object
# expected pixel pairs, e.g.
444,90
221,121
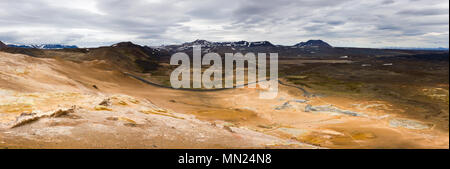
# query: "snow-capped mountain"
244,45
261,43
43,46
203,43
209,44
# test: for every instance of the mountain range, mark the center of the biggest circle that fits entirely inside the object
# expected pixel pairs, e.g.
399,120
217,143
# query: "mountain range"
209,44
205,43
41,46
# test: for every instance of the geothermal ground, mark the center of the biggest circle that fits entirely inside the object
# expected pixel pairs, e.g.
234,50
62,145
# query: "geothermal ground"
56,103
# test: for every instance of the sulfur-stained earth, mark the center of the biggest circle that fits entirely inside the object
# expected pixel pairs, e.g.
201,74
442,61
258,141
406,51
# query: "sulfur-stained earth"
54,103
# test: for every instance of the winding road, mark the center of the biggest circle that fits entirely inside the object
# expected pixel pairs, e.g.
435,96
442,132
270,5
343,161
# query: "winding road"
305,92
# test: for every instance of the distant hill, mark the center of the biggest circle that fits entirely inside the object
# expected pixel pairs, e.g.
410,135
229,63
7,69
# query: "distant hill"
404,48
314,43
126,55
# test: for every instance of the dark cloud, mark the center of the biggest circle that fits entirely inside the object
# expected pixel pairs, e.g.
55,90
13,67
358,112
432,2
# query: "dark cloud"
387,2
154,22
424,12
335,22
388,27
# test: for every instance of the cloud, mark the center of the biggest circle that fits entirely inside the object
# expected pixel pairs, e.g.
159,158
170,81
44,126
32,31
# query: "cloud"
378,23
387,2
424,12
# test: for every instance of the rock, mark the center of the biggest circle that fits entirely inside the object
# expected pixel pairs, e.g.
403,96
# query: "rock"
26,118
26,114
130,124
22,120
106,102
112,118
126,120
60,112
264,126
122,103
134,101
228,128
213,124
102,108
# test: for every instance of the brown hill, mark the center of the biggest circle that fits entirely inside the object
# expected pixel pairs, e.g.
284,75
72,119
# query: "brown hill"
57,100
2,45
124,55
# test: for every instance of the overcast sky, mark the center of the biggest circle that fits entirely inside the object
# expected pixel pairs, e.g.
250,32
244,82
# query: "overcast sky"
357,23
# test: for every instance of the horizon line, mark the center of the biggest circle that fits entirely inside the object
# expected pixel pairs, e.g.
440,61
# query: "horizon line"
161,45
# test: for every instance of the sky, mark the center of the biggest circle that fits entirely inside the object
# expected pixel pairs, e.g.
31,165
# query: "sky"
350,23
